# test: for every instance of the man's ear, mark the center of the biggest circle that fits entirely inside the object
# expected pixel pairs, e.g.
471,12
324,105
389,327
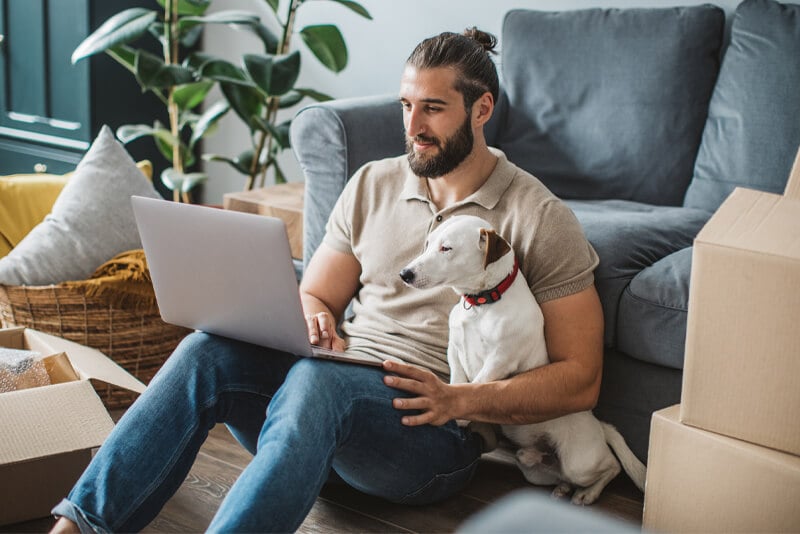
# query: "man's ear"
482,109
494,247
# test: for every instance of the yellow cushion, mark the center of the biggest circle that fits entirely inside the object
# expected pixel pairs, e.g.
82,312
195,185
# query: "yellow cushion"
26,199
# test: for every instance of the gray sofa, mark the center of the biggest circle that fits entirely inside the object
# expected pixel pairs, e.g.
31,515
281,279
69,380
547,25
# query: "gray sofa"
643,120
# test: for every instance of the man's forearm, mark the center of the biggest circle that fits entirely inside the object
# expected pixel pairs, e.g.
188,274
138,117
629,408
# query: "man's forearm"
543,393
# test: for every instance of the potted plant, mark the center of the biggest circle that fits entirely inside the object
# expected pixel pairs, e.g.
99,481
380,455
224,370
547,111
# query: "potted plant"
265,83
182,80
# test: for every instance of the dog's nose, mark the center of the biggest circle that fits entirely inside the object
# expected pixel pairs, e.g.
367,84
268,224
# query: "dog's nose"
407,275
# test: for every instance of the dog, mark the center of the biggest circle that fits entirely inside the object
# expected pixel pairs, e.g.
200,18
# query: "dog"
496,331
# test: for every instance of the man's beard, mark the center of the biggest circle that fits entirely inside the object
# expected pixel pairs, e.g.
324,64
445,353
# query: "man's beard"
452,152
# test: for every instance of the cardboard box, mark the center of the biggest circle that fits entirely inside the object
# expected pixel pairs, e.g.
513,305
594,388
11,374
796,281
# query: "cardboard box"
49,432
741,374
699,481
284,201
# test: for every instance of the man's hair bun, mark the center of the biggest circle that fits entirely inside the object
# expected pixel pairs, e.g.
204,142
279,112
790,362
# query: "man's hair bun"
486,40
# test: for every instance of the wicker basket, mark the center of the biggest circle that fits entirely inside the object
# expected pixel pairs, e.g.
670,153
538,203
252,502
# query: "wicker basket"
134,337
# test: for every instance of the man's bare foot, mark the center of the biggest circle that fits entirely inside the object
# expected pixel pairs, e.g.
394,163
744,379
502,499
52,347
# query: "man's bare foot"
65,526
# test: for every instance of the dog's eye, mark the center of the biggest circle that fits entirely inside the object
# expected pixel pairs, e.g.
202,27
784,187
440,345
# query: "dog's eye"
444,248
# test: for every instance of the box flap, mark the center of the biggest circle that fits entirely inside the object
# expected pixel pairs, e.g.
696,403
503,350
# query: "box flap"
43,421
756,221
89,362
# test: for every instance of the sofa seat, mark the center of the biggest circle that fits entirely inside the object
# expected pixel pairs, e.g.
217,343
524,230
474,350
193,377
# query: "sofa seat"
653,310
628,237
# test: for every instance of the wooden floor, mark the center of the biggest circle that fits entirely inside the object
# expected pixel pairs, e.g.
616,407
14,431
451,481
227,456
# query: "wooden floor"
342,509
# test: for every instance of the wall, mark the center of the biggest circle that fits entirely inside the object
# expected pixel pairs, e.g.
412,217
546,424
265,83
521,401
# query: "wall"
377,52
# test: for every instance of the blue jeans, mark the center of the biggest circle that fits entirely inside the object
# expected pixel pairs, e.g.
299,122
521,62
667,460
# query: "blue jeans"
322,416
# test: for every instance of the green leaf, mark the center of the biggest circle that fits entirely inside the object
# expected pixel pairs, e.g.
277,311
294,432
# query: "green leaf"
358,8
223,72
246,101
274,4
122,28
289,99
183,182
189,7
273,75
189,38
313,94
125,56
207,120
130,132
190,95
152,72
285,70
230,16
241,163
280,178
327,44
269,39
259,69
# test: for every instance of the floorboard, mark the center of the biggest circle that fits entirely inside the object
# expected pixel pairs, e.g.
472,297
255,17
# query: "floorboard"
340,508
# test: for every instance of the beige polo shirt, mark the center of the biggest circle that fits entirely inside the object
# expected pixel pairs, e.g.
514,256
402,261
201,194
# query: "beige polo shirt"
383,218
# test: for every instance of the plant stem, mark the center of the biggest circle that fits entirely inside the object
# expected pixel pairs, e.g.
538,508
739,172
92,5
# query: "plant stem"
171,58
265,138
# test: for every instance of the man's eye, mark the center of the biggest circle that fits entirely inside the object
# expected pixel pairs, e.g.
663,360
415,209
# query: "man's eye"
433,109
444,248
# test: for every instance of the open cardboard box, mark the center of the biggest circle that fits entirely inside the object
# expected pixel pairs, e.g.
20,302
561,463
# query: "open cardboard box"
49,432
741,375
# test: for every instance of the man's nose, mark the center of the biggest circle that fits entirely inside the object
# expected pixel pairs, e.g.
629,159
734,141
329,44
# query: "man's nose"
414,123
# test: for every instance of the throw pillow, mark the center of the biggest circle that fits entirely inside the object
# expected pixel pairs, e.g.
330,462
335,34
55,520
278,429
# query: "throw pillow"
91,220
753,127
25,200
609,103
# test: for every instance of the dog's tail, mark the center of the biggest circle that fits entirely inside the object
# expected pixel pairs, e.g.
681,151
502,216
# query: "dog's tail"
630,463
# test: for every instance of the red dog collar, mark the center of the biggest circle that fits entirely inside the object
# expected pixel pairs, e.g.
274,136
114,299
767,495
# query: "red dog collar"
494,294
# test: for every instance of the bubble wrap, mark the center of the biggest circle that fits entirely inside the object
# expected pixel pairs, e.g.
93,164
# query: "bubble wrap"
21,369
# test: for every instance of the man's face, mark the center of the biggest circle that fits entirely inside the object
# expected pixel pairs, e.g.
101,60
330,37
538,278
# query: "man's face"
438,129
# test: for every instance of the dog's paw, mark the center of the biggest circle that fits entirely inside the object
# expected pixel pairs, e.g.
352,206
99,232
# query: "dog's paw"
586,496
561,490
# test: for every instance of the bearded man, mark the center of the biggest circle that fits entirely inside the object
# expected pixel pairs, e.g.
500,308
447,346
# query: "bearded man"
388,432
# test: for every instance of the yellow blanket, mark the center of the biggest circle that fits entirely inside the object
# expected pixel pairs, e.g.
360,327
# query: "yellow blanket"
123,281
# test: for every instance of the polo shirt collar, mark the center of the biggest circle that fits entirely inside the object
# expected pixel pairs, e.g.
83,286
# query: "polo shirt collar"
415,188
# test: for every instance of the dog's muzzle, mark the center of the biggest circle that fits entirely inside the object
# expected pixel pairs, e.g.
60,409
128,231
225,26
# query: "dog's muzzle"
407,275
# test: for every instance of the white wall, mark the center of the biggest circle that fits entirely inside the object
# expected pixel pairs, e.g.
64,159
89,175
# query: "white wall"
377,52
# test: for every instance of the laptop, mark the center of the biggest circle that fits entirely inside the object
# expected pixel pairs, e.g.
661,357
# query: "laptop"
227,273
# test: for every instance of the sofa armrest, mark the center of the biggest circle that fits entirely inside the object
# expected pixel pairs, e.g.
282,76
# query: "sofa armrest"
331,141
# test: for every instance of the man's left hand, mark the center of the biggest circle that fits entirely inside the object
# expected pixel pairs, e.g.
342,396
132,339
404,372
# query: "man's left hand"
436,400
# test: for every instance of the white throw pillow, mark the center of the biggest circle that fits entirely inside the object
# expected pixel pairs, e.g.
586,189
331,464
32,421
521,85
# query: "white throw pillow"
91,220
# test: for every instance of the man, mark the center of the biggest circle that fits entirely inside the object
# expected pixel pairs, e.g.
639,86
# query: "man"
389,432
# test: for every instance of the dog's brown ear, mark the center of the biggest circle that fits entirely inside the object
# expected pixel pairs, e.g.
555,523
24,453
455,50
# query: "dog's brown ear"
494,246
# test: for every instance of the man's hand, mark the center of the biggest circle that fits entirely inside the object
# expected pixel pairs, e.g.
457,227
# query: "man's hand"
437,401
322,331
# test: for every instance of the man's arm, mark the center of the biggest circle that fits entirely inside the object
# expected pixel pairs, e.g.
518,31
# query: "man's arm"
573,327
329,282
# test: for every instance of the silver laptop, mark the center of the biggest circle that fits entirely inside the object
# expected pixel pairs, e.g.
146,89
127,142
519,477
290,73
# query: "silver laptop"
227,273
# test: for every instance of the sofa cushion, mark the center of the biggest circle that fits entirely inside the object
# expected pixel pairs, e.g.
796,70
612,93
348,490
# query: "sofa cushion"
652,311
753,126
91,220
628,237
609,103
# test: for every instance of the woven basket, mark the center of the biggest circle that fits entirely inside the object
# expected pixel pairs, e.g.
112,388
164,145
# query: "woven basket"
134,337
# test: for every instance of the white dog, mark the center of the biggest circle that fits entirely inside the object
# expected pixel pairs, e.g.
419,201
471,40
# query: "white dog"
497,330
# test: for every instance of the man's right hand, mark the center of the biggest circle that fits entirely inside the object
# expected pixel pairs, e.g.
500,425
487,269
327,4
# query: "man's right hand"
322,331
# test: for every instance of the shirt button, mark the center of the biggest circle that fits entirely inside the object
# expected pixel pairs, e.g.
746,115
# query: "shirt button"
439,218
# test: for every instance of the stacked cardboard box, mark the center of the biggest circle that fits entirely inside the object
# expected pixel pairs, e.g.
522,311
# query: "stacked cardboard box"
47,433
284,201
728,459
